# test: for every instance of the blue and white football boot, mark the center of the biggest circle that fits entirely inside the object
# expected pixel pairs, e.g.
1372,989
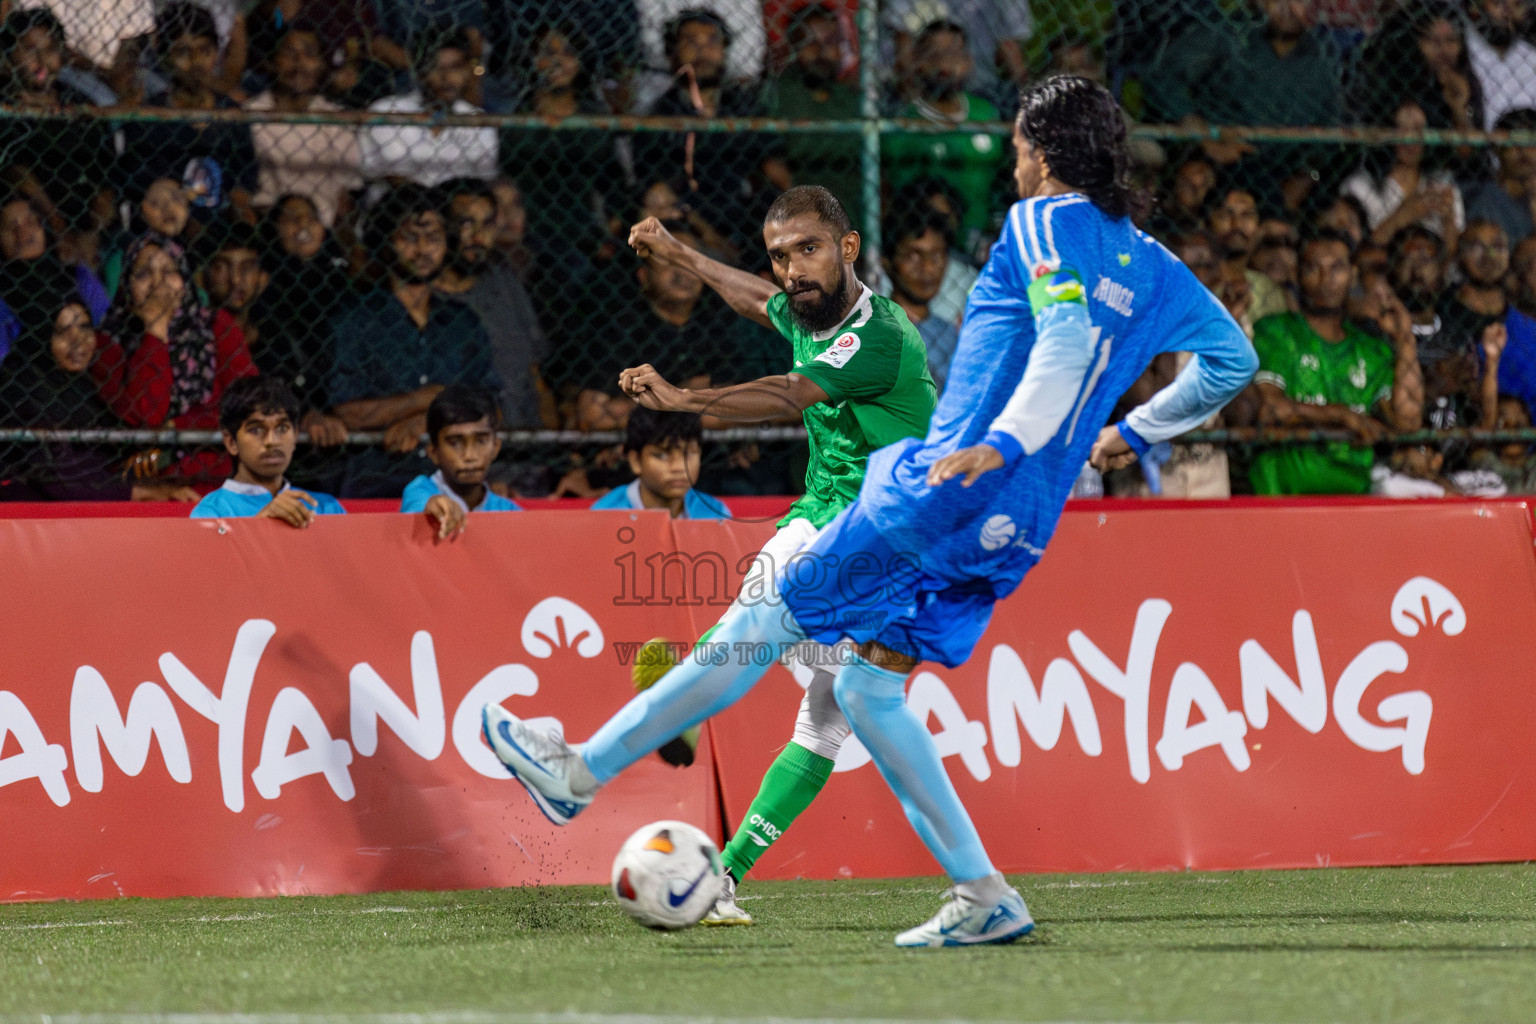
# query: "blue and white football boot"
964,922
550,769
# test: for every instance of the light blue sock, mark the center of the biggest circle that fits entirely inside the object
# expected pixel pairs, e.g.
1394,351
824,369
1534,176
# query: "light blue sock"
696,689
874,700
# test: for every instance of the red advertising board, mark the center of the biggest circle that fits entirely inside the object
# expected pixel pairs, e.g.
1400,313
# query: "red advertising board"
1216,688
191,708
302,705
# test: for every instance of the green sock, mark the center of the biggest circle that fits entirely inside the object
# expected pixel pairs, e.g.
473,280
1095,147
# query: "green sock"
792,782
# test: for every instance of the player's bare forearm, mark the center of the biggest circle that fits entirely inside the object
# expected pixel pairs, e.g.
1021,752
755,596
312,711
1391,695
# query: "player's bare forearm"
746,293
759,401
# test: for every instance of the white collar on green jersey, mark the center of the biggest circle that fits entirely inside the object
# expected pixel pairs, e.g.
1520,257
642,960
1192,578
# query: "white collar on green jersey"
862,311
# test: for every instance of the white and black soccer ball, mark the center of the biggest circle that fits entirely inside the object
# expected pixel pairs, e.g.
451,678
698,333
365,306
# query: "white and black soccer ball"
667,875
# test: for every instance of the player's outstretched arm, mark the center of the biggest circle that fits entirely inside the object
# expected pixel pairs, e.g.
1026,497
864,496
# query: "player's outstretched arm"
746,293
757,401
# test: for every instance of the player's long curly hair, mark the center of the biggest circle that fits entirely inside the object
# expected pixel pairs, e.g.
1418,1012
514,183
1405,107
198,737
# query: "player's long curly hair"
1080,129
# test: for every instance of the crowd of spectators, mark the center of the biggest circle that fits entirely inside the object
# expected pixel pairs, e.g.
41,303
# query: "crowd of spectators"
153,252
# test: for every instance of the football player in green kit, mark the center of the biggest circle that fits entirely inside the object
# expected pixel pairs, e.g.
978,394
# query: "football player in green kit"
860,382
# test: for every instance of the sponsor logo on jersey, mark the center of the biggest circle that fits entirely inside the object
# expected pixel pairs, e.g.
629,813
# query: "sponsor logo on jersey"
997,531
840,351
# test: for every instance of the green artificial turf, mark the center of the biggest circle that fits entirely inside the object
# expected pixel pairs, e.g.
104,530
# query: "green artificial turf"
1404,944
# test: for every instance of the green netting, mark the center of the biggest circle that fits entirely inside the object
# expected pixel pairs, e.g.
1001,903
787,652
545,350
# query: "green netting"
299,156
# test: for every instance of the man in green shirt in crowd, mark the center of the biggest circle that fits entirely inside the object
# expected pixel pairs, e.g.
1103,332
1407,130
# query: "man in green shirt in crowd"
967,160
1319,369
809,90
860,382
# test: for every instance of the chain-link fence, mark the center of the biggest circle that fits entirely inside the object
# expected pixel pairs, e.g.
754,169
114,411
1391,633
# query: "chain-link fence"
372,199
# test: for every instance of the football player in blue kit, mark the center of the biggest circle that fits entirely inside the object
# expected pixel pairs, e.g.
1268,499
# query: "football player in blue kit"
1072,305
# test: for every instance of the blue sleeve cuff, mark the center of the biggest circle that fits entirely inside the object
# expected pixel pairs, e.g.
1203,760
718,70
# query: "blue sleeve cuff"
1138,444
1007,445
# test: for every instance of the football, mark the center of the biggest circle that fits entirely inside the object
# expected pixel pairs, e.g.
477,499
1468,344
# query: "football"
667,875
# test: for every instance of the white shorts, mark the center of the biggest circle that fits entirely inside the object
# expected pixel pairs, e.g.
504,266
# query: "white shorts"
819,726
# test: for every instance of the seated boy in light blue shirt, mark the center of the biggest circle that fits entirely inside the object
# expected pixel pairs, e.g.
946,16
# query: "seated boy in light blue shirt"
259,417
462,442
664,449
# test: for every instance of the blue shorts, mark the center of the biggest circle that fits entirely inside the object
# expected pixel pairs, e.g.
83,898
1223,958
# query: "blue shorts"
853,582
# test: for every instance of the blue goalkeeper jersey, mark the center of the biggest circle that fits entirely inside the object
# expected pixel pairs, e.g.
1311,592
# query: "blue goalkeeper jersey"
1069,310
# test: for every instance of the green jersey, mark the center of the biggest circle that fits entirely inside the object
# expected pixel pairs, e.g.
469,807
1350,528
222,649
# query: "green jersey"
1356,372
874,368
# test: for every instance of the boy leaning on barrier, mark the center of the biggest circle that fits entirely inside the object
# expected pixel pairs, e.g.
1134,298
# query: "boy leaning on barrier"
462,442
258,416
664,451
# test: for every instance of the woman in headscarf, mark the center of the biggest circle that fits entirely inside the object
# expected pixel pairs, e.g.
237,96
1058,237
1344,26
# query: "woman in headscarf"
163,358
44,385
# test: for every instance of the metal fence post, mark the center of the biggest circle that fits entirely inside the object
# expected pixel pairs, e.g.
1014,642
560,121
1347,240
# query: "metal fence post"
869,85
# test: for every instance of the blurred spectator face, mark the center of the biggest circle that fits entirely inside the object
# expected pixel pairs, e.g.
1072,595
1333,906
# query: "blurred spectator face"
668,472
1501,20
155,280
192,62
1274,229
1484,254
1277,262
1235,223
671,285
660,201
1371,258
264,444
702,45
1418,272
1517,163
1345,219
918,264
1440,43
818,44
447,77
472,222
298,67
21,232
511,218
164,207
419,246
1195,253
556,63
73,342
234,278
1285,19
465,451
1523,269
1323,275
1192,182
1409,118
299,231
942,63
1513,415
35,61
1077,58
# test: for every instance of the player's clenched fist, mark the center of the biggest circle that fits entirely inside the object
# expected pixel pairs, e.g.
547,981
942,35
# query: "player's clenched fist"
1111,451
650,389
651,241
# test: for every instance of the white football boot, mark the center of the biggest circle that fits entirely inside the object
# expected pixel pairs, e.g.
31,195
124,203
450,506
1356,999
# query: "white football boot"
550,769
964,922
725,910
